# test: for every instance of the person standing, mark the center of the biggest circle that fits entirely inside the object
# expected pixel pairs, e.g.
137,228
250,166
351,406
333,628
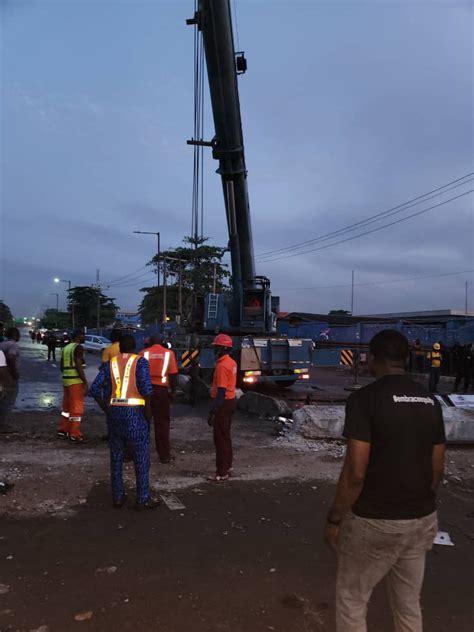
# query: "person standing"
383,518
464,368
39,337
5,383
435,358
51,344
419,356
11,350
114,349
74,389
123,390
220,416
164,379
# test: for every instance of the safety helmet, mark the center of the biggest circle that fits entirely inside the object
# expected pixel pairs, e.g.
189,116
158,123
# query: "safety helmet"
436,346
223,340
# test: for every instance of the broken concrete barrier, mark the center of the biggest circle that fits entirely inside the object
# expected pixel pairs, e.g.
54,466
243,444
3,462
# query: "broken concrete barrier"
327,422
319,422
264,405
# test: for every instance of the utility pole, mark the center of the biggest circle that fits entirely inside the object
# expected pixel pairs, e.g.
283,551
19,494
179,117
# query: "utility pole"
57,280
56,294
98,299
164,290
465,301
146,232
214,278
352,294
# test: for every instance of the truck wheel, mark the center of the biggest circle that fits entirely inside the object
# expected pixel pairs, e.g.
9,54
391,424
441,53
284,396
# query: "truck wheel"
285,383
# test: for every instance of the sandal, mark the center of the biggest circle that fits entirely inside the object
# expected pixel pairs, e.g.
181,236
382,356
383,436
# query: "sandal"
218,479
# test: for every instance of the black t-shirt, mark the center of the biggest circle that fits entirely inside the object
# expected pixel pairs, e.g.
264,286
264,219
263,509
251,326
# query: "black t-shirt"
402,422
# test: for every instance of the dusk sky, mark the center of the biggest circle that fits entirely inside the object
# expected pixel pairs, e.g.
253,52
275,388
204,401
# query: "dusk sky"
349,109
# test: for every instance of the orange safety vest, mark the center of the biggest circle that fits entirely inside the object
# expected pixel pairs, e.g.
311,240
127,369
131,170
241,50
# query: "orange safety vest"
162,362
124,385
225,376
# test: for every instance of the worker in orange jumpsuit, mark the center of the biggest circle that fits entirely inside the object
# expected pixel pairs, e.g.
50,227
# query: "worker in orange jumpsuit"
164,379
74,389
220,416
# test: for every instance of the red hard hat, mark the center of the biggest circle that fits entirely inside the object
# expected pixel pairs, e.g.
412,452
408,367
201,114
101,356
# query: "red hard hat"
223,340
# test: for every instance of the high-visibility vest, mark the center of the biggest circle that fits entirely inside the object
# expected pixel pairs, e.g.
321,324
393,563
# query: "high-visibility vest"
70,373
159,360
435,357
124,385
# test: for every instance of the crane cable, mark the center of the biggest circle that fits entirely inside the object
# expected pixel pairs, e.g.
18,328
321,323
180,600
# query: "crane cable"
197,211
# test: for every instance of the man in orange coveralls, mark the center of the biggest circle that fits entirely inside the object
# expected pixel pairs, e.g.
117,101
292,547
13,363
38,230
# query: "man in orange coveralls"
220,415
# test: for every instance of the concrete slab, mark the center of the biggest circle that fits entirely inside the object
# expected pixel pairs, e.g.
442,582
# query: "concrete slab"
319,422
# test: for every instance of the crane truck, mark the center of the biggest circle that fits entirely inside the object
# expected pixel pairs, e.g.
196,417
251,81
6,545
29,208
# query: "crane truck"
249,313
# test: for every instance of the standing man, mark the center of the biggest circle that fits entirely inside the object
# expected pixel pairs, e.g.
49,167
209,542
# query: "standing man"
74,389
435,358
164,379
419,356
383,519
51,344
464,367
5,383
114,349
220,416
11,350
123,390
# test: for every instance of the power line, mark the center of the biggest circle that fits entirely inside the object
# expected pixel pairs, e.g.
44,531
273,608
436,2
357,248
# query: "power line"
125,276
368,232
330,287
373,218
145,275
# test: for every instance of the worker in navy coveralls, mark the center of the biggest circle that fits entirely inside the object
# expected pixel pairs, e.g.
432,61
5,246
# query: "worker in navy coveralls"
122,389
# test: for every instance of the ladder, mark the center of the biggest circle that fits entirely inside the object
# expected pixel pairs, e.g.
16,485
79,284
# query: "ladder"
212,306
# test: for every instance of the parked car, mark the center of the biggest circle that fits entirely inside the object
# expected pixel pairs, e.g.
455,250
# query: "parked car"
96,343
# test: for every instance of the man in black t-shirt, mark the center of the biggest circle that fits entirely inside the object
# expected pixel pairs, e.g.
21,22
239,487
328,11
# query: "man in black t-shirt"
383,519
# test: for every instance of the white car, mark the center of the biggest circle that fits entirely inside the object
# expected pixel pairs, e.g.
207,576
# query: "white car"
96,343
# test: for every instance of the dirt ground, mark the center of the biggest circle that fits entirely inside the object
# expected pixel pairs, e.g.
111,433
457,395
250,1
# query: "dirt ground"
245,556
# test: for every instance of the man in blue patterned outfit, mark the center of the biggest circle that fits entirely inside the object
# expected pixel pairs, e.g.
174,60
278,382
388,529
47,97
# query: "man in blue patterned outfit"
122,389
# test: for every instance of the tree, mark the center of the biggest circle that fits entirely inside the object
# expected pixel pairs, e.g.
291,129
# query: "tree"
197,265
6,316
86,300
55,320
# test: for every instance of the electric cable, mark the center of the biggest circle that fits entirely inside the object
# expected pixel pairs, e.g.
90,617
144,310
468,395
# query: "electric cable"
330,287
373,218
368,232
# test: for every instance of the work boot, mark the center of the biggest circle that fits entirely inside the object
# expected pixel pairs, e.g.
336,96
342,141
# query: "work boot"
62,434
151,503
76,439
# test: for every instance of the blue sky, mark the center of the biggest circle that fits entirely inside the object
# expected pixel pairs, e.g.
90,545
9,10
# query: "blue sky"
349,108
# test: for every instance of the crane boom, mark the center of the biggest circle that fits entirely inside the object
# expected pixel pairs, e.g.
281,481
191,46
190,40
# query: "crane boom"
250,307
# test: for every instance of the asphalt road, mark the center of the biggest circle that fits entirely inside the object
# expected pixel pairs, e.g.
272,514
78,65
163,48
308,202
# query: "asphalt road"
40,383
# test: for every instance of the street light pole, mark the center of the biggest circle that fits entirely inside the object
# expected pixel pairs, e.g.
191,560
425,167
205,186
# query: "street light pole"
146,232
57,280
56,294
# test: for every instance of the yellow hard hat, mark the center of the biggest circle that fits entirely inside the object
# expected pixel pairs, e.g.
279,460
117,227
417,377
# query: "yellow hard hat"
436,346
